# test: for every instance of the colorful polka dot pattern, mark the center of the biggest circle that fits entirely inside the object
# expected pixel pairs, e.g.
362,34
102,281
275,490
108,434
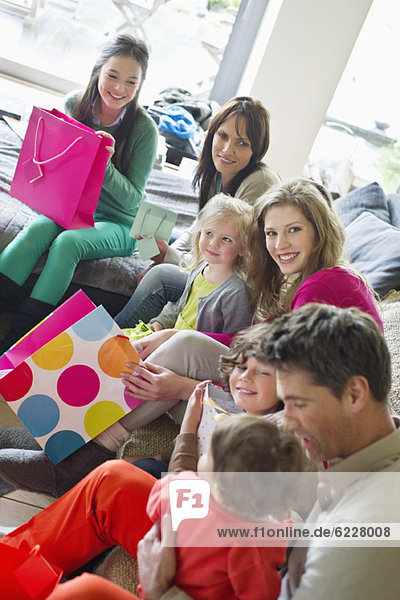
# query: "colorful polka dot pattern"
70,390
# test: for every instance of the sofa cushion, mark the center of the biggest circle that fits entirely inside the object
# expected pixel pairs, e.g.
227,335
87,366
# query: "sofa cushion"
393,202
370,197
373,246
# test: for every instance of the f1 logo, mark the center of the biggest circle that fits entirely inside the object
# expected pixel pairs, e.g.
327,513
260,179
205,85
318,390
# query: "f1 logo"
189,499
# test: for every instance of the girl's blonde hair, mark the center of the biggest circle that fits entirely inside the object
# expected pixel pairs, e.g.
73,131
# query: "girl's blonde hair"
222,209
273,292
244,445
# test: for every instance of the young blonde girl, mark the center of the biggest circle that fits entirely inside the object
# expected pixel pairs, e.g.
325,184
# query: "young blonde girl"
216,297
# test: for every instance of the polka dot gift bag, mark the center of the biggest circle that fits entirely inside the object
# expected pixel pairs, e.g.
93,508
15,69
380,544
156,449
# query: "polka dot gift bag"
69,390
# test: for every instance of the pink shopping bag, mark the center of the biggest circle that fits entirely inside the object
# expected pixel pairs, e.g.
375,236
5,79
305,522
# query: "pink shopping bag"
69,390
60,168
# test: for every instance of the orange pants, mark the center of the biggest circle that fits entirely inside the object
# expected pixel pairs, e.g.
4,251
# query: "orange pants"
106,508
90,587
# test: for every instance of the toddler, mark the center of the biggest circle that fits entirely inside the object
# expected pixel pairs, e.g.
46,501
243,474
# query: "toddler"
240,448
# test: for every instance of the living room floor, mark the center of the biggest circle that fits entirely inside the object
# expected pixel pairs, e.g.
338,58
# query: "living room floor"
17,507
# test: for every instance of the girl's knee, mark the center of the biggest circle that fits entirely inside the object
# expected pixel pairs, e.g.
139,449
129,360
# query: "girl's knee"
89,587
122,474
67,248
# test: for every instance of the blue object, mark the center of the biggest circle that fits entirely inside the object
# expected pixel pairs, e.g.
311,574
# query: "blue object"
177,120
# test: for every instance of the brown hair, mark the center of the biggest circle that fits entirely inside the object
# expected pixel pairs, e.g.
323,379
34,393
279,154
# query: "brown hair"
121,45
243,444
332,345
256,118
265,277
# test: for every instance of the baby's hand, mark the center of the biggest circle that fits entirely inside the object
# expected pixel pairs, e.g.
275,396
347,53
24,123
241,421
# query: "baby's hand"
194,409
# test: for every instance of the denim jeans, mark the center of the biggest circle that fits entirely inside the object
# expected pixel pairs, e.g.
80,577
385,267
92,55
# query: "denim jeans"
163,283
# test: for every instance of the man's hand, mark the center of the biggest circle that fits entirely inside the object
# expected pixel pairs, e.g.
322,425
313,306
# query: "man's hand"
156,560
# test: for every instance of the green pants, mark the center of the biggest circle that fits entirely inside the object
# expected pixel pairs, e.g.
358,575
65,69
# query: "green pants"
66,248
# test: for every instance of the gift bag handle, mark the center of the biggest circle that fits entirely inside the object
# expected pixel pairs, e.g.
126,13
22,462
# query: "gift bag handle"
159,225
43,162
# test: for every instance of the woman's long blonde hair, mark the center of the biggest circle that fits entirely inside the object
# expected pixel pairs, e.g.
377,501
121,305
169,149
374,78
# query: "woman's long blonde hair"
222,209
273,292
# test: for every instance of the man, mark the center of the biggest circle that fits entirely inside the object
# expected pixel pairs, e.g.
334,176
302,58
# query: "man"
334,376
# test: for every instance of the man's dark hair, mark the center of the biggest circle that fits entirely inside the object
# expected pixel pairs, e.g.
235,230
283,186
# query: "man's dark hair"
332,344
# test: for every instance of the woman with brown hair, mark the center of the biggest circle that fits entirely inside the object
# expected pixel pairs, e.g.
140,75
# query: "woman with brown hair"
230,162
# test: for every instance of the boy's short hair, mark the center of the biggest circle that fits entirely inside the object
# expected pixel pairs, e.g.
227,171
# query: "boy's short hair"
243,445
332,344
250,342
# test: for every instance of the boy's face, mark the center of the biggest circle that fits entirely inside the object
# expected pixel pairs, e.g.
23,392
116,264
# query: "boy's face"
253,386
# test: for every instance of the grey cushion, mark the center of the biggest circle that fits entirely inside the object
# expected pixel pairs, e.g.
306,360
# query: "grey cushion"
374,249
370,197
393,201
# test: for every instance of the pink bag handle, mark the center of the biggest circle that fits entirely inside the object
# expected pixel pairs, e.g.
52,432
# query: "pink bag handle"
43,162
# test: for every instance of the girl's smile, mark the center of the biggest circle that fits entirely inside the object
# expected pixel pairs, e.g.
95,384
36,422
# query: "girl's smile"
220,244
252,386
289,238
119,80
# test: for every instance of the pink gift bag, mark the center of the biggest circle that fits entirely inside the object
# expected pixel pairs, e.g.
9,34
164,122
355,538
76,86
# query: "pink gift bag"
60,168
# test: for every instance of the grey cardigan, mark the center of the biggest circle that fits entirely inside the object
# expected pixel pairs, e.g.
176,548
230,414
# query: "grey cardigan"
227,309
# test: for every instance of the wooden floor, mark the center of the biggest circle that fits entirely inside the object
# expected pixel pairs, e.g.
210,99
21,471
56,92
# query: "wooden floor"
18,507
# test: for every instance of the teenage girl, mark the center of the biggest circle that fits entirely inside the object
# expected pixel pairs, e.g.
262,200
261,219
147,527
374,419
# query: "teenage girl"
216,297
230,162
109,105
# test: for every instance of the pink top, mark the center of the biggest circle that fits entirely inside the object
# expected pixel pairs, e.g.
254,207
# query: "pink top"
337,286
213,569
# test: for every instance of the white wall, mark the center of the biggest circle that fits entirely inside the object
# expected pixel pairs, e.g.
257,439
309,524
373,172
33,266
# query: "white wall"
298,58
